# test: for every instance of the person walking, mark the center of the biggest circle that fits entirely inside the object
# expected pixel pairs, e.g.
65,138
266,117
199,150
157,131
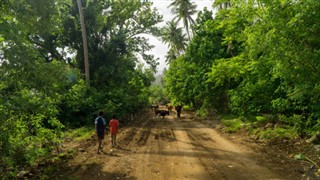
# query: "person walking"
114,125
178,109
100,124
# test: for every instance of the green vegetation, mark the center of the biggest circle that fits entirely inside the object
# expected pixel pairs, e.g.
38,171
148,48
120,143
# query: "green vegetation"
256,59
277,133
303,157
261,127
79,133
232,125
157,93
42,89
253,58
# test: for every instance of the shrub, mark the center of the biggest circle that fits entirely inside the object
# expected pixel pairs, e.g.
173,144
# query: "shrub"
276,133
232,125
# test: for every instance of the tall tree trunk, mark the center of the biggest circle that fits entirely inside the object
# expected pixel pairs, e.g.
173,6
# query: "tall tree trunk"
85,43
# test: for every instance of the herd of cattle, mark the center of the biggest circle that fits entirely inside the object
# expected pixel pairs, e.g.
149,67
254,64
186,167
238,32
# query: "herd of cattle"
162,112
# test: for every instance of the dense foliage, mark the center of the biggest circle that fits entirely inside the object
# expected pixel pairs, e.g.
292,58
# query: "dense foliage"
253,57
41,84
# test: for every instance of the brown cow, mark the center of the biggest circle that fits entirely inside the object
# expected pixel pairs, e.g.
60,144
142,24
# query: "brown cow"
169,107
161,113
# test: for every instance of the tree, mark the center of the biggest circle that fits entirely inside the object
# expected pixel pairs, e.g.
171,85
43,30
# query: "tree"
190,79
114,39
222,4
277,50
183,10
41,87
85,43
174,37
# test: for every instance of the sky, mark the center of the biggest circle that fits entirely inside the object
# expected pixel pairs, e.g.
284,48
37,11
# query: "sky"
161,49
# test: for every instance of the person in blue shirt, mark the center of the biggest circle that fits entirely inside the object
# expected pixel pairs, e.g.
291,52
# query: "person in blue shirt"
100,124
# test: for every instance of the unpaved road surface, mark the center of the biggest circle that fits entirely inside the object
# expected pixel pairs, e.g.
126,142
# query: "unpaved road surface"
169,149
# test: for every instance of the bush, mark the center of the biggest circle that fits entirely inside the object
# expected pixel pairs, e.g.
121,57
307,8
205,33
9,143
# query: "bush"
80,133
277,133
232,125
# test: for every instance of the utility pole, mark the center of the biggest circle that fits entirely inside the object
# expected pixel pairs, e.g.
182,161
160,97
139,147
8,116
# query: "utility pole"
85,44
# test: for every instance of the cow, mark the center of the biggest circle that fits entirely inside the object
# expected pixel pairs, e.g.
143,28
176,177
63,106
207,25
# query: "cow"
161,113
169,107
178,109
154,107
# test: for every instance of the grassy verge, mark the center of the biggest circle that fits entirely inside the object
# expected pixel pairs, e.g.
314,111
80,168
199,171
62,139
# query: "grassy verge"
80,133
262,127
55,163
232,123
275,133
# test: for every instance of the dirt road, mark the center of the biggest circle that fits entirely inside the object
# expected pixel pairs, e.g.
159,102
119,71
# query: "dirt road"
170,149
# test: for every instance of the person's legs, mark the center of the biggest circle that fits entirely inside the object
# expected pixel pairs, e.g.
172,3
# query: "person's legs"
178,113
111,137
99,142
113,140
100,138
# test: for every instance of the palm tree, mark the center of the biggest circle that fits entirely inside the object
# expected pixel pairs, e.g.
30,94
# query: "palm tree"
224,4
174,37
171,55
183,10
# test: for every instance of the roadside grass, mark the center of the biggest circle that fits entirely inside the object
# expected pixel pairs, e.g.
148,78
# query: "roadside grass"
257,126
46,166
55,162
80,133
187,108
282,135
232,123
275,133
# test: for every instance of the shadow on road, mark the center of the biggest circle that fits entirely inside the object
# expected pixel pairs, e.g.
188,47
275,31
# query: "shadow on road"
91,171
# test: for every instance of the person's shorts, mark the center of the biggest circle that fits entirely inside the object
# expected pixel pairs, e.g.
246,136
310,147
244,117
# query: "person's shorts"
101,135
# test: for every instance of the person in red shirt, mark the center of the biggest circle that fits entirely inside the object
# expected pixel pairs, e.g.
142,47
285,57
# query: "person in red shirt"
114,125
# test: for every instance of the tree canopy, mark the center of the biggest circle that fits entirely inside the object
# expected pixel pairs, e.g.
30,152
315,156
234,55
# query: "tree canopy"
253,57
249,58
42,86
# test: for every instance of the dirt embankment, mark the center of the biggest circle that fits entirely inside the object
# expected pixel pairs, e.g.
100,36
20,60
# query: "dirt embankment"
176,148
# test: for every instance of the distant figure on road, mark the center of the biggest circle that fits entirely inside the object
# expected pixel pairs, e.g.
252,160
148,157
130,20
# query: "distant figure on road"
178,109
100,124
114,125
